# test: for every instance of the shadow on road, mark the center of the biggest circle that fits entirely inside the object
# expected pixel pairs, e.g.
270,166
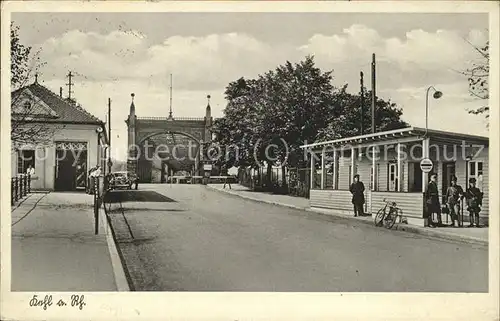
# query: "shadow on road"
135,196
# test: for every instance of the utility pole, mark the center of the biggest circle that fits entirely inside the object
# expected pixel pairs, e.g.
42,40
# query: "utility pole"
374,96
170,113
69,84
109,136
362,103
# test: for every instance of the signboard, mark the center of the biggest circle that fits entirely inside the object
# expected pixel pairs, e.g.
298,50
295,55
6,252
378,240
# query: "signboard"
207,167
426,165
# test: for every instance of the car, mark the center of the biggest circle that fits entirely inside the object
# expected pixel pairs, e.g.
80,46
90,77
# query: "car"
123,180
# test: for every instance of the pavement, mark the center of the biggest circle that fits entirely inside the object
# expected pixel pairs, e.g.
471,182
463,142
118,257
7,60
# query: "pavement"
55,248
471,235
199,239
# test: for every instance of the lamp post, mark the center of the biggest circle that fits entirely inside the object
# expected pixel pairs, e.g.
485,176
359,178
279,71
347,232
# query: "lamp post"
437,94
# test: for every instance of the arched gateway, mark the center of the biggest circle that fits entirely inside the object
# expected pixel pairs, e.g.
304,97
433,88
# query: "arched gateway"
162,146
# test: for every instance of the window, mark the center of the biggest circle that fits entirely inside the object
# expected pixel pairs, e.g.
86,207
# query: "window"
392,169
24,159
476,171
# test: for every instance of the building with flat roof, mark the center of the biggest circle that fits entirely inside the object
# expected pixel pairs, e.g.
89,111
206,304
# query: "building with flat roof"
389,165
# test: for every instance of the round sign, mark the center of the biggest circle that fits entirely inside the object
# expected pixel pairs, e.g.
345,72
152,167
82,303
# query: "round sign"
426,165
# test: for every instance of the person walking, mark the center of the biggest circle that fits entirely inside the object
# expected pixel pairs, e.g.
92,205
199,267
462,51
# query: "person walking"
357,190
227,180
432,202
474,202
454,194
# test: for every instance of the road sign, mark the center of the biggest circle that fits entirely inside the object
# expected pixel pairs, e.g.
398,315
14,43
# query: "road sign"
426,165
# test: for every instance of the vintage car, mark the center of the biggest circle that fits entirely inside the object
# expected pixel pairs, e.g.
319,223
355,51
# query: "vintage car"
123,180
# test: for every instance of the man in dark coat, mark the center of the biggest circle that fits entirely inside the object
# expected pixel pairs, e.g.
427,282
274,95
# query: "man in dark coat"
474,198
454,194
357,190
432,202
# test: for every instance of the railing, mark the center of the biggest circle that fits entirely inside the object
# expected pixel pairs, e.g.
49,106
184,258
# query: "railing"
20,186
173,118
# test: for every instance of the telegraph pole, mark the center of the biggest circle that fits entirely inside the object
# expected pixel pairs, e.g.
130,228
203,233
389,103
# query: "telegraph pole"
362,103
109,136
374,96
70,84
170,113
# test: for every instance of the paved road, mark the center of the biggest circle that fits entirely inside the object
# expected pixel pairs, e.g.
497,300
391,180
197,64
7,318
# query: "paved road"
208,241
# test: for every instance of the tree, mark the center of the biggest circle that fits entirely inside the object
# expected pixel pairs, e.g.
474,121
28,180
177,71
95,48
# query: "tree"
290,106
477,76
387,117
26,126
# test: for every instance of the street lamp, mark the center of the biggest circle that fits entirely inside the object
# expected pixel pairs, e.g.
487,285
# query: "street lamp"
437,94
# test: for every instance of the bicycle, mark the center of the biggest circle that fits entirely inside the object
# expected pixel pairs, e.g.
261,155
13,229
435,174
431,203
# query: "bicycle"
387,218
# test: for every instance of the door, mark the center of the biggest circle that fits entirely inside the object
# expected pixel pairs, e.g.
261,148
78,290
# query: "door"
392,173
447,174
65,172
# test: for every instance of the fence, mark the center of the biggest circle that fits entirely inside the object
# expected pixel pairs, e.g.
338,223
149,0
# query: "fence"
20,186
296,180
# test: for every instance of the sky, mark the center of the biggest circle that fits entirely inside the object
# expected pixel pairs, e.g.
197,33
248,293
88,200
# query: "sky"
115,54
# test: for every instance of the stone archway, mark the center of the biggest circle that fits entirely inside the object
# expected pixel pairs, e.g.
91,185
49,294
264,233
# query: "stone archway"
166,153
141,129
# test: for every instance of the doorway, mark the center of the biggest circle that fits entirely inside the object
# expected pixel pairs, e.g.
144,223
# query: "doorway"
71,166
448,172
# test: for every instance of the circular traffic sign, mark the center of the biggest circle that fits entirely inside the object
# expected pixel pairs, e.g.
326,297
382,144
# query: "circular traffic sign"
426,165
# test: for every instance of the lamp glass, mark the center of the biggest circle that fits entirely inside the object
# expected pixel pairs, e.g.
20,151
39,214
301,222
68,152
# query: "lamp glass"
438,94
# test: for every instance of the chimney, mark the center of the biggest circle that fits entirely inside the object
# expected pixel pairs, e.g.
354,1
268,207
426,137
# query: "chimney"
60,92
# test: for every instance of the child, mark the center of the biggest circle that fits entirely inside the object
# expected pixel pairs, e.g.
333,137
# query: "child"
474,202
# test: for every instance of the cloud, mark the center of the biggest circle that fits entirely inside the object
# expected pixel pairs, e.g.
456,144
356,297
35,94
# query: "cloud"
419,49
196,62
120,62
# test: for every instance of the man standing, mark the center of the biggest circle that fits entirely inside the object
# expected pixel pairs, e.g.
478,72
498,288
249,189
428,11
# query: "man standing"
30,171
90,182
432,202
357,190
474,202
454,195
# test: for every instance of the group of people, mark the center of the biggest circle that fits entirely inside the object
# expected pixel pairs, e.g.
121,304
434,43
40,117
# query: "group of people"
453,198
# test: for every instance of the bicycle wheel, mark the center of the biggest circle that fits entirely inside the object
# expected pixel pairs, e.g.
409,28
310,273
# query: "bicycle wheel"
380,217
391,218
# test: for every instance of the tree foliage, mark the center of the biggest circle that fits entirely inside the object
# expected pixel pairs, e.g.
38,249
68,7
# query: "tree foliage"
26,128
20,58
477,76
287,107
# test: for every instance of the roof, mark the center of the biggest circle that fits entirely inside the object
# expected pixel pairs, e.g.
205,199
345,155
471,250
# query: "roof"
416,132
63,111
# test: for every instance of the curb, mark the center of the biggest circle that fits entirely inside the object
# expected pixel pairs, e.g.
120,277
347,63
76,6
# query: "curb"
259,200
401,227
442,235
118,270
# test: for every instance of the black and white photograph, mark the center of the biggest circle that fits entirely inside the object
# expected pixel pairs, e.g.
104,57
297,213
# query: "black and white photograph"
241,150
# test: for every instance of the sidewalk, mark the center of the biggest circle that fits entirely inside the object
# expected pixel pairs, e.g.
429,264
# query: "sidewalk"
469,235
54,246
